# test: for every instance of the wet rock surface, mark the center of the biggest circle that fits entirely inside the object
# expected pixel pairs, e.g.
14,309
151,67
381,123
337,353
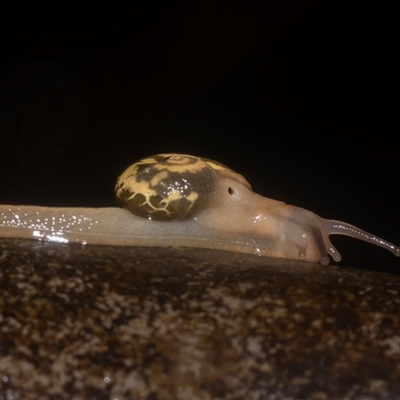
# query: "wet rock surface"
157,323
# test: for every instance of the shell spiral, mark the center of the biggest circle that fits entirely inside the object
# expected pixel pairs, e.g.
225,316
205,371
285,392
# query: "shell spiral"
168,186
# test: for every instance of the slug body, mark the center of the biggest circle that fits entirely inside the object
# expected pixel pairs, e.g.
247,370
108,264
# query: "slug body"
182,200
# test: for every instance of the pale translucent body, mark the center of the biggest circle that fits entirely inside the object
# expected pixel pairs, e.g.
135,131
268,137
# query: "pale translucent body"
236,219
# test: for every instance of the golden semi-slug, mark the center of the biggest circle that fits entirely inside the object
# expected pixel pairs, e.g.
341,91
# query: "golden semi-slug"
182,200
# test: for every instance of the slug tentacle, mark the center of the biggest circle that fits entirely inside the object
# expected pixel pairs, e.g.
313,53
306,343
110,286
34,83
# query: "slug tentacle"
323,249
182,200
333,227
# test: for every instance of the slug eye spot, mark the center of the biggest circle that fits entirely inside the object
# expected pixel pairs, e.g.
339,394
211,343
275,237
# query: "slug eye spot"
234,194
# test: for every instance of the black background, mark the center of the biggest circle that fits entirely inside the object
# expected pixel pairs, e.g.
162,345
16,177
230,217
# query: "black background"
298,96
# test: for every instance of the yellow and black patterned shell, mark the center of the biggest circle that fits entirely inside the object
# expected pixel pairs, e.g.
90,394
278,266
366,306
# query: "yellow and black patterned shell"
168,186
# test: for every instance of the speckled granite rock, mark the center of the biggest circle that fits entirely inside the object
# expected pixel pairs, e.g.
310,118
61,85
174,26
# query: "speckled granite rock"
143,323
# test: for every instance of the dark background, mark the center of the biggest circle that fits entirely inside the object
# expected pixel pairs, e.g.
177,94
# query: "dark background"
298,96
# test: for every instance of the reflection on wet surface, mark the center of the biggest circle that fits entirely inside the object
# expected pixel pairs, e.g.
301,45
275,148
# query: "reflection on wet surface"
147,323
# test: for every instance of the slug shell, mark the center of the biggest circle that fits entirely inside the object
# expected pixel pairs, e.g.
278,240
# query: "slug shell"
169,186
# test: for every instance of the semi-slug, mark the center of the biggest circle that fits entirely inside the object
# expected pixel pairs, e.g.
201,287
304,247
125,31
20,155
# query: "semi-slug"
182,200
